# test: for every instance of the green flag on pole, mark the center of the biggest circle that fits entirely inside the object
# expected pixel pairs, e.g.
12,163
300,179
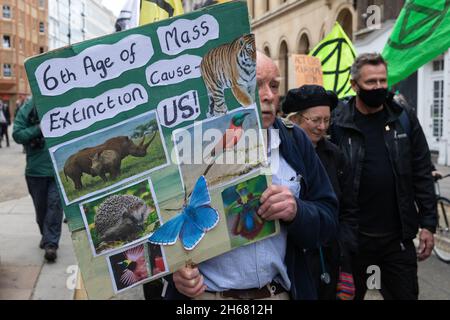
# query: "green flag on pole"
420,34
336,53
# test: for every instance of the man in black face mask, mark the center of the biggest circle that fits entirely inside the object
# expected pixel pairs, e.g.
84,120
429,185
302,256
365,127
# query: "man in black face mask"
392,180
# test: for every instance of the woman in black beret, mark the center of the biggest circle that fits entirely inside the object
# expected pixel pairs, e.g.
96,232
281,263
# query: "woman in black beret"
310,108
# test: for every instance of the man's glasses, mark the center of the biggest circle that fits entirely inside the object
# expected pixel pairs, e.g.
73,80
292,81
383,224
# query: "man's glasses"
317,121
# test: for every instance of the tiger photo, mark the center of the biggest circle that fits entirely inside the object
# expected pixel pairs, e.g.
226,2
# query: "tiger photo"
231,65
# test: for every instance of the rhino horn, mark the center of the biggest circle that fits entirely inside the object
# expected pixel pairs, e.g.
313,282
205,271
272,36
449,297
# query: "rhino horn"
150,141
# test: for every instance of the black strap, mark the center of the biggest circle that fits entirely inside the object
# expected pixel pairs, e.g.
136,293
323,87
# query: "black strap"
405,122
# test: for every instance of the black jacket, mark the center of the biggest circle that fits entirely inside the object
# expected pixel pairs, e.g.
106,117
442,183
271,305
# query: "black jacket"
409,156
335,256
5,110
316,221
339,172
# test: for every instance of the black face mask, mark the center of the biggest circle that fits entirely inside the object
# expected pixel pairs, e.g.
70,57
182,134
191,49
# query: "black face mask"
373,98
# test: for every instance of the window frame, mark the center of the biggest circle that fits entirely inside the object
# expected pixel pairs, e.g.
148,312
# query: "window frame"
41,27
6,39
437,108
5,68
4,11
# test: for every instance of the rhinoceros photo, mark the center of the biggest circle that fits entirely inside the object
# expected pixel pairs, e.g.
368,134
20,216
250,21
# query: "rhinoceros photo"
100,160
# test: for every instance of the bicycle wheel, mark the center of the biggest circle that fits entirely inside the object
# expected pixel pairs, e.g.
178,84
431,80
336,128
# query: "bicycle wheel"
442,237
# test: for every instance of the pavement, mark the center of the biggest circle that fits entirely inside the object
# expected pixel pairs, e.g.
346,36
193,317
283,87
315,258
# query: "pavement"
25,275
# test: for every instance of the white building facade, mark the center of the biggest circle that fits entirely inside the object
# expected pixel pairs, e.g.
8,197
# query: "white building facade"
99,20
72,21
433,107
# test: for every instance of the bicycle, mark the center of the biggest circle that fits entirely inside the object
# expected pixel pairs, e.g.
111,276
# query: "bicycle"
442,236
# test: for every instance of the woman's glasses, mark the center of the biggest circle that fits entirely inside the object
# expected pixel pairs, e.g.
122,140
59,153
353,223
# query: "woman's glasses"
317,120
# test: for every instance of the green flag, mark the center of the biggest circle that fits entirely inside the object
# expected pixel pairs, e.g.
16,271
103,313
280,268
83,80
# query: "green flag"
336,53
420,34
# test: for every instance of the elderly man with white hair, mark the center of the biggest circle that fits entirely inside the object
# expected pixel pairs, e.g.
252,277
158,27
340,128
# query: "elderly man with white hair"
301,197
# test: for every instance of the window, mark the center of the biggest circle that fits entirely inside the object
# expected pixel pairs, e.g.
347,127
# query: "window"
7,70
6,11
438,64
252,7
437,108
41,4
345,19
303,46
267,51
6,41
41,27
284,67
267,5
41,50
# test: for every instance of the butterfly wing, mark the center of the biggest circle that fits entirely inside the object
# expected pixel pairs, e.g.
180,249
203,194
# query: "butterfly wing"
206,217
199,215
200,194
191,234
167,234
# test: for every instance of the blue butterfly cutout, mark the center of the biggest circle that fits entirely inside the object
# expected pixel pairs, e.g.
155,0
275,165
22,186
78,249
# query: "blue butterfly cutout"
191,224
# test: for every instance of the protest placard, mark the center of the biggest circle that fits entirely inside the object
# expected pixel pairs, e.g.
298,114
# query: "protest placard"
308,70
155,138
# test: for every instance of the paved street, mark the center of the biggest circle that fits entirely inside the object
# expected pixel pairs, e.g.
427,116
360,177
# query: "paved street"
24,274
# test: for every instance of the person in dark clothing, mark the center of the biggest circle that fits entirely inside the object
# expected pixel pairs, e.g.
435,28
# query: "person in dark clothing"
301,197
391,173
310,107
5,121
40,179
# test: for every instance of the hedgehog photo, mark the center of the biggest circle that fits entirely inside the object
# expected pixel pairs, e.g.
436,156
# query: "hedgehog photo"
121,218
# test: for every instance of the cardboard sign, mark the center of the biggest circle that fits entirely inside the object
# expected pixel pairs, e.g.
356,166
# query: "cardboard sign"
308,70
156,142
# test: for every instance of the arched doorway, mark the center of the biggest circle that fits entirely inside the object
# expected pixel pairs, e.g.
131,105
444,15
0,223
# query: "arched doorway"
267,51
303,44
284,67
345,19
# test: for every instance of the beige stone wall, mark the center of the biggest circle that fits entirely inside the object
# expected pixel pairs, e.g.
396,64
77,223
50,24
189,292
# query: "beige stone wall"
286,21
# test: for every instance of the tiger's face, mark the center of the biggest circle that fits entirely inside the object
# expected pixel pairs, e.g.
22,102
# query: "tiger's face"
248,49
